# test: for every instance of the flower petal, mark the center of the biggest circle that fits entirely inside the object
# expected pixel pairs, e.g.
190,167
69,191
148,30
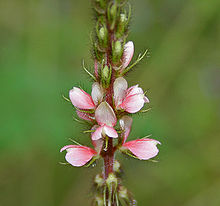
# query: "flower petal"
144,149
83,115
98,144
97,134
120,86
128,54
97,93
81,99
78,155
133,103
125,124
105,115
110,131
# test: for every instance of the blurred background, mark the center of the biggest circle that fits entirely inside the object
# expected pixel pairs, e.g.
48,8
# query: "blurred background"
42,45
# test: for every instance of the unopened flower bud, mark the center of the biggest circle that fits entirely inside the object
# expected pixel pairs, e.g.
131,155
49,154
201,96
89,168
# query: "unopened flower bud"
123,192
117,51
116,166
99,201
112,15
99,180
102,34
122,26
106,76
112,179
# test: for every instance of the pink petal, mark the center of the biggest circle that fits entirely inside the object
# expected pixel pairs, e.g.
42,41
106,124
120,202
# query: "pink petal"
146,100
98,144
81,99
97,93
128,54
120,86
110,131
97,134
83,115
144,149
105,115
133,103
78,155
125,124
134,90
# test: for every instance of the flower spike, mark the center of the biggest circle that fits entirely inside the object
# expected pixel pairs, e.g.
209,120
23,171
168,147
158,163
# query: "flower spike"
107,111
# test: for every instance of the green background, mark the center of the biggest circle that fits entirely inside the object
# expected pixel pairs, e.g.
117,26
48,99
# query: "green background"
42,45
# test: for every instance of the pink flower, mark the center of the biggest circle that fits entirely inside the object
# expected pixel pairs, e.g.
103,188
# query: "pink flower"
106,119
78,155
143,149
83,100
125,124
131,100
128,54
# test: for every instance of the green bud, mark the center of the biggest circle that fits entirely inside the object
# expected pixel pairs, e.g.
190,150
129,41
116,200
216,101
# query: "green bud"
112,13
112,179
102,33
117,51
99,180
123,192
106,76
98,201
116,166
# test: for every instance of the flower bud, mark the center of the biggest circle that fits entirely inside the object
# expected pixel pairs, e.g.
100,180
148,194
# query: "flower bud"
123,192
106,76
122,26
116,166
112,179
98,201
102,34
99,181
112,14
117,51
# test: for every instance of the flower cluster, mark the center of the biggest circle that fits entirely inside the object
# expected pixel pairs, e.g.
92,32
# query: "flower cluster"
111,105
104,116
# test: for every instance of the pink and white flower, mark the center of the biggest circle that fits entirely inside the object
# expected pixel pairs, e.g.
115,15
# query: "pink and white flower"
143,149
78,155
129,99
106,119
84,101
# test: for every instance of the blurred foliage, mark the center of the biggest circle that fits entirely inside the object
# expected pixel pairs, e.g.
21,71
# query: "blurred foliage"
43,43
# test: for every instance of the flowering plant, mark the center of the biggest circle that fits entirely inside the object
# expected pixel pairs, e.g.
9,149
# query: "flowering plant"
110,106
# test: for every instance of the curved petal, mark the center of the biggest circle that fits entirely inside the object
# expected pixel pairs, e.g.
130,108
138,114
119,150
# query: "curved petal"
125,124
81,99
110,131
78,155
84,116
144,149
97,134
134,90
120,86
128,54
133,103
105,115
97,93
98,144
